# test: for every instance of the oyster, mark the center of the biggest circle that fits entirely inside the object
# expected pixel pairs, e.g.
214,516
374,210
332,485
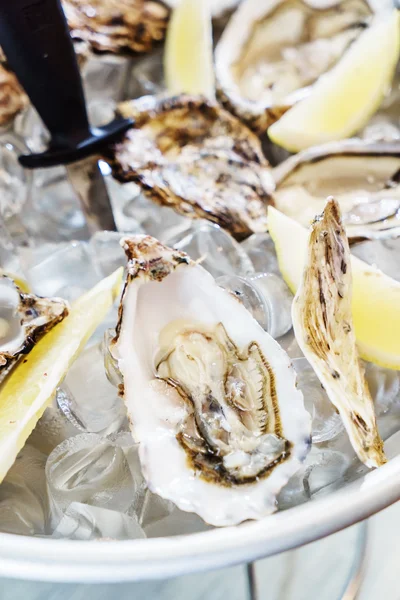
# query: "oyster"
12,97
363,177
272,51
211,397
324,330
188,153
117,26
24,319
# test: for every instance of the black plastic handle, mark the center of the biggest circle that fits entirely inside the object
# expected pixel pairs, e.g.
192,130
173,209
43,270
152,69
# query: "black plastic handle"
35,38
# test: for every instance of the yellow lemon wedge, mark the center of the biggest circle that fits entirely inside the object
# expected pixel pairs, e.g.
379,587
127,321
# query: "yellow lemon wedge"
376,297
344,99
188,57
29,389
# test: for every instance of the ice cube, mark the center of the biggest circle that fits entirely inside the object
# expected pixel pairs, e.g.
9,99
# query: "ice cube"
93,470
290,345
326,421
326,473
384,385
177,522
15,182
249,295
105,77
159,221
88,399
23,495
266,296
261,250
85,522
215,249
278,299
107,253
51,430
67,272
147,76
112,371
54,212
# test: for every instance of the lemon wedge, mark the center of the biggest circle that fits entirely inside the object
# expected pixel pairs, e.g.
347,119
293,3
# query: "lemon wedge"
376,297
344,99
31,385
188,58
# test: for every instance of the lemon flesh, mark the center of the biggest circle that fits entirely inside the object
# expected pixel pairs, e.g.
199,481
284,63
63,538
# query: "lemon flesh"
31,385
188,58
344,99
376,297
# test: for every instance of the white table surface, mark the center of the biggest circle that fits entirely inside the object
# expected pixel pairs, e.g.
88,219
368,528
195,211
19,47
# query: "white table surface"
323,577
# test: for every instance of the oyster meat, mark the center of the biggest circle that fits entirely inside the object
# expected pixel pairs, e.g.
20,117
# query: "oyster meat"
363,177
273,51
211,397
24,319
117,26
190,154
323,325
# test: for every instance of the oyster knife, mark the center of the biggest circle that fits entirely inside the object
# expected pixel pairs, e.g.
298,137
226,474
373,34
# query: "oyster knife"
35,38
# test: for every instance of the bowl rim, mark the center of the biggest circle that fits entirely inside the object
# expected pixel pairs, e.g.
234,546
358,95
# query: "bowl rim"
156,558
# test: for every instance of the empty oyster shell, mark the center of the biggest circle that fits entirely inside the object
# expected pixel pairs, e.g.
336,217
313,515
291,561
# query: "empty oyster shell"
118,26
324,330
211,397
363,177
24,319
272,51
191,155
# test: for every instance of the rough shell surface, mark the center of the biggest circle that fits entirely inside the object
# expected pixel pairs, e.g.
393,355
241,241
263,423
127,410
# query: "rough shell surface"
24,319
191,155
323,325
211,397
12,97
117,26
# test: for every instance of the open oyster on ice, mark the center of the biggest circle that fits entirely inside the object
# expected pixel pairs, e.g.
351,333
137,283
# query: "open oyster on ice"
117,26
24,319
273,51
211,397
323,325
190,154
363,177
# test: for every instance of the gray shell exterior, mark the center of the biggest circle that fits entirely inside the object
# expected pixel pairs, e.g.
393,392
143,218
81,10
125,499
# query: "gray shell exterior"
190,154
37,316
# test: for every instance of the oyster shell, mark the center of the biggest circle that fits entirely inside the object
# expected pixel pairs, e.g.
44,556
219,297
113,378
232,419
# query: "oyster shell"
117,26
189,154
272,51
363,177
324,330
12,97
24,319
211,397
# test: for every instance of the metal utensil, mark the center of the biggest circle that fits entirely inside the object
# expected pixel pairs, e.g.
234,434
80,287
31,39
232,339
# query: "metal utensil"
35,38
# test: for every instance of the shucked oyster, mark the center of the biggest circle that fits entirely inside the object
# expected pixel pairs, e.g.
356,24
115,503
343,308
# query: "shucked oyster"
323,325
363,178
118,26
272,51
190,154
24,319
211,397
